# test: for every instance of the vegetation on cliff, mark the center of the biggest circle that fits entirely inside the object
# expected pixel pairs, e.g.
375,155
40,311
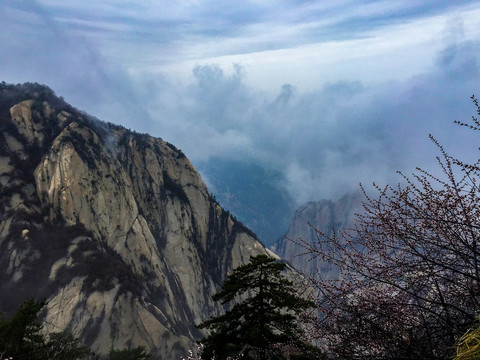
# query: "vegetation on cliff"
265,324
22,337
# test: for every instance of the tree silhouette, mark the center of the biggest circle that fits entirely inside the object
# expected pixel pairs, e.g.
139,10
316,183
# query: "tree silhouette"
64,346
263,322
21,337
138,353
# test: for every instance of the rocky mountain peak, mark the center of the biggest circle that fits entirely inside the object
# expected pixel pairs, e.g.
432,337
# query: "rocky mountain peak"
324,215
116,229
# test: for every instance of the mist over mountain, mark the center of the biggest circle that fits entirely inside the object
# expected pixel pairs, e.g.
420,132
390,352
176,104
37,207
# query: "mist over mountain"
116,229
256,196
328,94
277,105
325,216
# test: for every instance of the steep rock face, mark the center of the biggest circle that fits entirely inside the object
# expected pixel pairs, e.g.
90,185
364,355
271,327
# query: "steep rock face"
116,229
323,215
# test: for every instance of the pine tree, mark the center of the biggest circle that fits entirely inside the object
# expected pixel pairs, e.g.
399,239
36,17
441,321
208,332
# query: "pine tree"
263,322
22,337
138,353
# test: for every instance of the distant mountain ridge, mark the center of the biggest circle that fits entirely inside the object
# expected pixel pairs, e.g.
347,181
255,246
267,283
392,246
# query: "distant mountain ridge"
115,229
324,215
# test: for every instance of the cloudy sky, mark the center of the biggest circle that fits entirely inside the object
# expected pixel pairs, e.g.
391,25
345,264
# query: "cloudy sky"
328,93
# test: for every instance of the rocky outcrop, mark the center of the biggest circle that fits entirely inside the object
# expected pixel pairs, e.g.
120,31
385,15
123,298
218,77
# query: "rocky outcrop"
115,229
323,215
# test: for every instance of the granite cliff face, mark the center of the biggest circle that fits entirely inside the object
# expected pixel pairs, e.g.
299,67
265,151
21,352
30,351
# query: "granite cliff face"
323,215
115,229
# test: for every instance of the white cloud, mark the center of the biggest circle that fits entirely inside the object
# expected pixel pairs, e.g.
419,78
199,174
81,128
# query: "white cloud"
389,52
359,106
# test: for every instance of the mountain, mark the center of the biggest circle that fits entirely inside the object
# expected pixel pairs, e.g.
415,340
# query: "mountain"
324,215
115,229
251,193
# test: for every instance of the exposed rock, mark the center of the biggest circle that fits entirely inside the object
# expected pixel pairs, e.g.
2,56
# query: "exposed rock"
323,215
116,229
